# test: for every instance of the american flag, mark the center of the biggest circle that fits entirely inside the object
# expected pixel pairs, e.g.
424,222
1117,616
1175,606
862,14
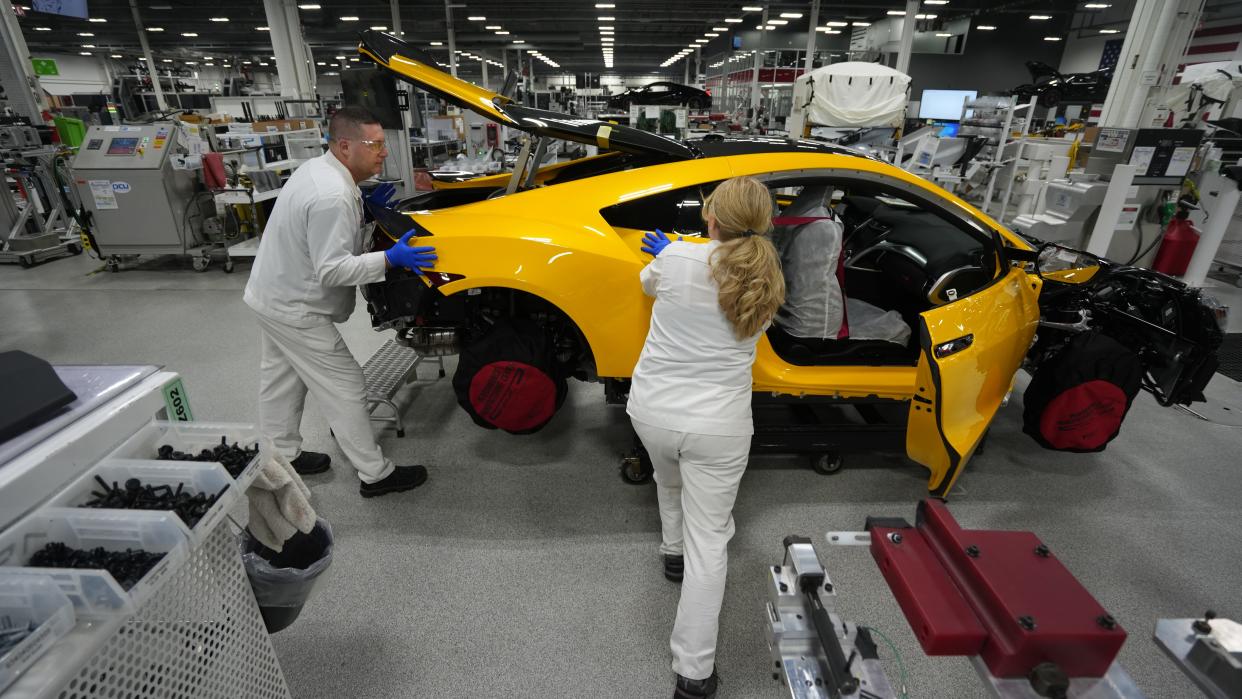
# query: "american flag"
1112,52
1214,40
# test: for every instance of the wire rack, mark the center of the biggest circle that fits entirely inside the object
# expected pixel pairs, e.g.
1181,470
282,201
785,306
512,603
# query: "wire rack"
200,637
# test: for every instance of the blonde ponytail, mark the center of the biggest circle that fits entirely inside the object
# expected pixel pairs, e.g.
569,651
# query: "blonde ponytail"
746,266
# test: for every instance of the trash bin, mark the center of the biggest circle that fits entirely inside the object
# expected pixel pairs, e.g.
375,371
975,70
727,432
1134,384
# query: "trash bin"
283,581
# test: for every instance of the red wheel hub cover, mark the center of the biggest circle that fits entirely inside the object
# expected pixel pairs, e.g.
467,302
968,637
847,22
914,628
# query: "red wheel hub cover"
513,396
1085,416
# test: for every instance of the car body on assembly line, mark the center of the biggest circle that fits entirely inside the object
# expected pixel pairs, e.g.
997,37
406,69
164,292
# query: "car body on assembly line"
1050,87
541,269
662,92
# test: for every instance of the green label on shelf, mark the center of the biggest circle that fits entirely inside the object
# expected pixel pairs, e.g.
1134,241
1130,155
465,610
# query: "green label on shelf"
177,401
45,66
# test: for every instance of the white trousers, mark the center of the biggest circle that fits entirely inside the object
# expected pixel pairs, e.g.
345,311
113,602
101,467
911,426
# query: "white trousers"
697,477
297,359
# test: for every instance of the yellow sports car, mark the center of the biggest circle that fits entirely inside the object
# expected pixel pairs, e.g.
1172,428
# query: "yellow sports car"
537,282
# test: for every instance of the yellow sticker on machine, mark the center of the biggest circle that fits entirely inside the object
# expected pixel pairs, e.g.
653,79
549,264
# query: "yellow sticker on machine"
601,136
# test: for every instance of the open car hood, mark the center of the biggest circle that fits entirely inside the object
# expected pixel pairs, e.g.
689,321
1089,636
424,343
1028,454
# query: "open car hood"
418,68
1039,69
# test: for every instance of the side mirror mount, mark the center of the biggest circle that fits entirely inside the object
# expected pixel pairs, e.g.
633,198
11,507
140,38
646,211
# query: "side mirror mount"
1063,264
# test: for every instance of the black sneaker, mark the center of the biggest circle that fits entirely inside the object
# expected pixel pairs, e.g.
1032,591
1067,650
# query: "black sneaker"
311,462
695,689
402,478
674,567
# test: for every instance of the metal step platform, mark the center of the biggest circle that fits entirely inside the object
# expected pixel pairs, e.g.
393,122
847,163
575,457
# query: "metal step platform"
391,368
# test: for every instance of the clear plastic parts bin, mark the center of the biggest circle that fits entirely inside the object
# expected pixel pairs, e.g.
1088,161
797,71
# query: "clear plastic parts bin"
194,476
31,602
191,437
95,593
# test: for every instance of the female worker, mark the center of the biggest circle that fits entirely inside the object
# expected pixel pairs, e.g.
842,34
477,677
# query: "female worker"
690,401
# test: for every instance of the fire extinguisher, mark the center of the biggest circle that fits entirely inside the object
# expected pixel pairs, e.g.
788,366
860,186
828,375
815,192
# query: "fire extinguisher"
1178,244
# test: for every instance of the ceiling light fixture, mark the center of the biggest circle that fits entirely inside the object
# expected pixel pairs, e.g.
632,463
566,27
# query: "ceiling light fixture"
925,16
700,41
1110,31
349,18
189,35
606,26
43,29
219,19
117,55
752,8
1097,6
836,24
607,19
935,2
1040,18
493,27
860,24
778,22
191,63
502,33
85,34
604,5
720,29
84,53
943,34
437,43
477,18
711,35
308,7
986,27
160,29
97,20
791,15
88,46
896,13
262,64
168,60
257,29
519,41
380,28
1052,38
733,20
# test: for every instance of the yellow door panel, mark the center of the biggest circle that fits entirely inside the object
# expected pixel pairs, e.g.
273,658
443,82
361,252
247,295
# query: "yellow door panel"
971,350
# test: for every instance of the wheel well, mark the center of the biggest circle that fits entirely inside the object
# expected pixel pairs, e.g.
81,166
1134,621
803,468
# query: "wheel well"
481,307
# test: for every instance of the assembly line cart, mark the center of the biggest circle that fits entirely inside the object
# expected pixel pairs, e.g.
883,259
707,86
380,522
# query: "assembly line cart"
190,627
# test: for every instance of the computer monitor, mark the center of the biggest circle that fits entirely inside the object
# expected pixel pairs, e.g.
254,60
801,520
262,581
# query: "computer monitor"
944,105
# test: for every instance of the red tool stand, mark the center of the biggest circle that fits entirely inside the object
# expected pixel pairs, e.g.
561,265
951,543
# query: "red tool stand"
1002,598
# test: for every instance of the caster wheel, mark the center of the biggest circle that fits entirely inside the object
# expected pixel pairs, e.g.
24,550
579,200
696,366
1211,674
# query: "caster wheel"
827,464
441,373
74,249
201,264
26,261
400,434
636,469
228,266
113,266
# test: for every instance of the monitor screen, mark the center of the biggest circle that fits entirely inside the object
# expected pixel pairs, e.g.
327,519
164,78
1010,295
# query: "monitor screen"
122,146
944,105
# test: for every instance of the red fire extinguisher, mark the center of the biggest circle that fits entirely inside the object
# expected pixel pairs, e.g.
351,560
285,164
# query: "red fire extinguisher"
1180,239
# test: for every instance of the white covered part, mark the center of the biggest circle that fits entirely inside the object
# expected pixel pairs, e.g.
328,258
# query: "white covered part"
809,252
854,93
869,322
1216,79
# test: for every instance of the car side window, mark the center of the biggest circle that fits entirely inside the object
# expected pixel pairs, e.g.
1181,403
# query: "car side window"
675,211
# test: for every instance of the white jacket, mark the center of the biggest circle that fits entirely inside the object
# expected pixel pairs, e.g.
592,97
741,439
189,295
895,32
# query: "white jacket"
310,258
693,375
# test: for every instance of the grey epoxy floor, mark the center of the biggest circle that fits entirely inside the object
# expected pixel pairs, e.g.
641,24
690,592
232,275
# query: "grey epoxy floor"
526,568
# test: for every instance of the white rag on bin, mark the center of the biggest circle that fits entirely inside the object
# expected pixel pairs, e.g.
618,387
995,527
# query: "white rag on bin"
279,500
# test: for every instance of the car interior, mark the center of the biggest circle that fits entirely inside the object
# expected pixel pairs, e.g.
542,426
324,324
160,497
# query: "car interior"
899,256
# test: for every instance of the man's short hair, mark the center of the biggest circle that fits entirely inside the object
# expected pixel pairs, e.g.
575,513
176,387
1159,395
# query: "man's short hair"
348,122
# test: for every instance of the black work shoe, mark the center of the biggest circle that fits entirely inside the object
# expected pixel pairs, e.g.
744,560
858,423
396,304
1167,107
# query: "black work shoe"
402,478
310,462
695,689
674,567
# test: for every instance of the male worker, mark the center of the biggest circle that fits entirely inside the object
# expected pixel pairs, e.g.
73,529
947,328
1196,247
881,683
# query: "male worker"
309,261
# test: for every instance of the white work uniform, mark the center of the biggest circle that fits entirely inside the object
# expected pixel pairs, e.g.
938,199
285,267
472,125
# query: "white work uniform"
303,279
690,405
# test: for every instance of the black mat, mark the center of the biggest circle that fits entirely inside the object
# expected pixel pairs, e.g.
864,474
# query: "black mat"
1230,356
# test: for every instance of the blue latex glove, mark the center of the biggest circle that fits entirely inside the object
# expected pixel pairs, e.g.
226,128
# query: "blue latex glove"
383,195
655,242
415,259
